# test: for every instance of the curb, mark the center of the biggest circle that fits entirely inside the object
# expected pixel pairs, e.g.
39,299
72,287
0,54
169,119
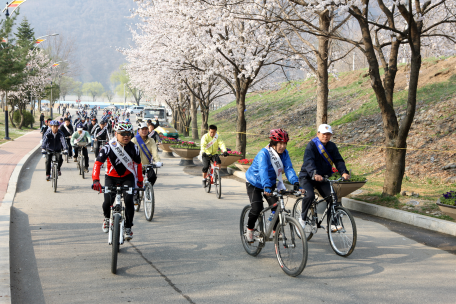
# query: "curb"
5,212
410,218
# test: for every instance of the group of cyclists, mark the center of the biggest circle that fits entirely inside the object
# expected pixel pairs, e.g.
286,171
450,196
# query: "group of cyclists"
127,151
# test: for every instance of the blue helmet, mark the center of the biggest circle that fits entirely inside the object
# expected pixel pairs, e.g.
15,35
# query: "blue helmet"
79,126
54,123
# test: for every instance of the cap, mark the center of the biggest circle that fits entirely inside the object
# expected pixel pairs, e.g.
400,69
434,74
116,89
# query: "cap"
142,125
324,128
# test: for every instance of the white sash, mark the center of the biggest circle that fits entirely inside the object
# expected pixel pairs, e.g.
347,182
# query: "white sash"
99,133
81,136
278,166
68,130
151,134
212,142
124,158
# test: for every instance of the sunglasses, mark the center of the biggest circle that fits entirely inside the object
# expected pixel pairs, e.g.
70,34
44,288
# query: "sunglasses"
125,134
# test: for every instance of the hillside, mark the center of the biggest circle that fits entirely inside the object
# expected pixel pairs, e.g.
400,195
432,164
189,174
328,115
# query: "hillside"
97,28
355,117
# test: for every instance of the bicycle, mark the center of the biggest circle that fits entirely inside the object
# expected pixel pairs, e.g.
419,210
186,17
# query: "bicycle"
343,237
147,196
54,168
81,159
213,177
100,143
117,221
66,155
290,248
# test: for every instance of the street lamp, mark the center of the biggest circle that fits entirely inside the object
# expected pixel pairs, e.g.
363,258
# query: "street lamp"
6,96
40,39
125,97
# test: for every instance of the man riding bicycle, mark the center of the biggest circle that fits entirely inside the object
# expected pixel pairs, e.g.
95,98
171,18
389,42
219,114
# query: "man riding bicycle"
53,141
320,156
268,166
67,129
81,136
148,150
210,143
124,167
100,132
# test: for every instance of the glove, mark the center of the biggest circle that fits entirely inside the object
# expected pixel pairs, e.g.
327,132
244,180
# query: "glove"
140,184
225,153
268,190
65,152
43,151
96,185
158,164
204,154
296,186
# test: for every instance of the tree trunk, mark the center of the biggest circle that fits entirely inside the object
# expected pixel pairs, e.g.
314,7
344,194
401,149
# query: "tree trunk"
21,112
241,124
204,121
322,66
194,118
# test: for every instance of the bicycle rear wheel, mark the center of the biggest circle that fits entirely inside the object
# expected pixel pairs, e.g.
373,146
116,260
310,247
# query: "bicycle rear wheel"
208,184
311,223
149,202
342,241
66,158
291,250
79,165
255,247
115,242
218,183
54,177
137,201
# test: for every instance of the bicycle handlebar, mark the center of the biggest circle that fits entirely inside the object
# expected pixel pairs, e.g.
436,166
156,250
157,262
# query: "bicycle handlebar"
108,189
326,178
286,192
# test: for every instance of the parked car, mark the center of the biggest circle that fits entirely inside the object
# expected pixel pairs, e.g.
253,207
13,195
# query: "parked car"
136,109
166,130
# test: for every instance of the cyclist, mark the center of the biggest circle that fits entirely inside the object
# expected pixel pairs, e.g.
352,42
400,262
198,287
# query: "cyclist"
267,167
81,136
319,158
91,128
124,166
67,129
45,127
148,150
54,141
152,133
210,143
100,132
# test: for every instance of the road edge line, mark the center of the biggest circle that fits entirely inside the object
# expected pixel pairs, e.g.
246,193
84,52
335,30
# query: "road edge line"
410,218
5,215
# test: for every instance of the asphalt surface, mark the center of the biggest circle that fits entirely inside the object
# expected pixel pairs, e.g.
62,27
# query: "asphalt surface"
191,252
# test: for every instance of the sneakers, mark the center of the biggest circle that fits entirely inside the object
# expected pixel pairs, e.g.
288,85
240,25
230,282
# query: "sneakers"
249,235
204,183
335,228
60,173
86,169
106,225
128,234
75,159
48,177
91,149
303,223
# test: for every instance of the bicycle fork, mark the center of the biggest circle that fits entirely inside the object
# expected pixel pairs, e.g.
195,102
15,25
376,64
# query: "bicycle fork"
122,222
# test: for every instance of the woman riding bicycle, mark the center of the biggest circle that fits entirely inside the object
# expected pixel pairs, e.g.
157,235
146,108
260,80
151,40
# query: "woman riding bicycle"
267,167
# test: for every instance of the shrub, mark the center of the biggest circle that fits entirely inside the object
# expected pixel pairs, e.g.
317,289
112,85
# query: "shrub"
28,117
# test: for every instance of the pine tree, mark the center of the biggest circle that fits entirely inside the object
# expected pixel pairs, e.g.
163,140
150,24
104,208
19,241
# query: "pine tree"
25,34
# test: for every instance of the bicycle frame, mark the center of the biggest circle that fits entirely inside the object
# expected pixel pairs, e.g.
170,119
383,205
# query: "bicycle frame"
212,168
117,208
330,205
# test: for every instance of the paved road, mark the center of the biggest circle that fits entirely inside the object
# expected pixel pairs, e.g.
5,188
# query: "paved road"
191,252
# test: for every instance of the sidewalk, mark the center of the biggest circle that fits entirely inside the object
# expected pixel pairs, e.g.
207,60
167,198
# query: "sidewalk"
11,153
13,157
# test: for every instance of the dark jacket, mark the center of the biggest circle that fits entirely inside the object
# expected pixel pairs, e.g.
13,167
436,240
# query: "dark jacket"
55,143
42,117
314,161
65,132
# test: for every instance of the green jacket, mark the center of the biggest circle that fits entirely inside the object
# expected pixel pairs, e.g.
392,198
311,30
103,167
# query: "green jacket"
85,139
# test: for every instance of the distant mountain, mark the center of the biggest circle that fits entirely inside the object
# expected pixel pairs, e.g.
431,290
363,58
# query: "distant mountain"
99,27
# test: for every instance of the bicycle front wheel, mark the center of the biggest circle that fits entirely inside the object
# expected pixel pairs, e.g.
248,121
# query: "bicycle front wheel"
255,247
115,242
310,220
218,183
342,233
82,167
290,248
54,177
208,184
149,202
137,201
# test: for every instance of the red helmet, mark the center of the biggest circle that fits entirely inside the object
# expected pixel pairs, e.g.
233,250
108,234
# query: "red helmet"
279,135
